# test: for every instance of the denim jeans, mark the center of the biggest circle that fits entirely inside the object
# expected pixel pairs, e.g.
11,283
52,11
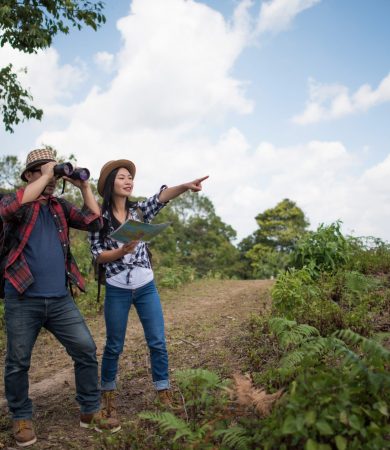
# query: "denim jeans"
117,306
24,318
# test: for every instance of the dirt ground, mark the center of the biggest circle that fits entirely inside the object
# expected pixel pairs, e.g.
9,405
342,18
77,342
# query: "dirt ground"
203,319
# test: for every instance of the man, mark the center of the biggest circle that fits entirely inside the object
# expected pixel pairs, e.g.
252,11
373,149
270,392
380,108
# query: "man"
38,271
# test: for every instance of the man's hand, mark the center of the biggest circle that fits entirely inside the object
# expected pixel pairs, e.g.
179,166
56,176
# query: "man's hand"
47,169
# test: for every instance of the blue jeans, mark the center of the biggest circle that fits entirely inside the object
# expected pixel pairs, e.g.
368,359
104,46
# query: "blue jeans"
117,306
24,318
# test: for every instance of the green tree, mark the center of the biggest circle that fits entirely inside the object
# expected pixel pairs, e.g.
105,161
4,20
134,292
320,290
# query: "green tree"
266,250
31,25
198,238
281,227
10,169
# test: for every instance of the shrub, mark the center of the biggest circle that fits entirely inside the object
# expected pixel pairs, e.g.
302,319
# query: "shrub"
297,296
173,277
369,255
339,402
325,250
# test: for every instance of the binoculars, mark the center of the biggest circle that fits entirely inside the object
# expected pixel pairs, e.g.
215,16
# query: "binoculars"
66,169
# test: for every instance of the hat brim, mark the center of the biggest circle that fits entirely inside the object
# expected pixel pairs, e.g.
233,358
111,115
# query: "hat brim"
34,164
109,167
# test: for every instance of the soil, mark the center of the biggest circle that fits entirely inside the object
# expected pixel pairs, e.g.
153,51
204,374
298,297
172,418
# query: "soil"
204,321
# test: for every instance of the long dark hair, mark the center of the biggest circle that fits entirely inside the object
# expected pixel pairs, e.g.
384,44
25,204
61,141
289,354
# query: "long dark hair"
107,199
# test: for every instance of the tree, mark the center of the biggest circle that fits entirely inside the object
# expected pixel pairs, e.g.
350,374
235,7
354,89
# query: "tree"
29,26
266,250
198,238
10,169
281,227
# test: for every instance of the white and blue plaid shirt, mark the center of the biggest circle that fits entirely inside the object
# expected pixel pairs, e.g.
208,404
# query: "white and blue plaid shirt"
100,241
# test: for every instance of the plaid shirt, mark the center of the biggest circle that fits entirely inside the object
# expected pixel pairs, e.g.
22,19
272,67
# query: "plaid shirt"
100,241
19,221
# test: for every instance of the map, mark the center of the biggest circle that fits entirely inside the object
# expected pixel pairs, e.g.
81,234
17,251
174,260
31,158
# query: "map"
132,230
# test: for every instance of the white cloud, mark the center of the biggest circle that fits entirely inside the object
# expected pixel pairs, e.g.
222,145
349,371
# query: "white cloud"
50,82
332,101
277,15
105,61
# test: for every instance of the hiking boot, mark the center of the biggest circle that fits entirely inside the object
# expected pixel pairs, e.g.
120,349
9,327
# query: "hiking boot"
24,433
98,422
109,405
164,397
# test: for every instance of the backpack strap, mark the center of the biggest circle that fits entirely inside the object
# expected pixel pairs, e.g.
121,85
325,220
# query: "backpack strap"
100,275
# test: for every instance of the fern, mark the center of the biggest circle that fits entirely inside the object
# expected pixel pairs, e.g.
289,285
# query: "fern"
235,437
167,422
289,333
374,352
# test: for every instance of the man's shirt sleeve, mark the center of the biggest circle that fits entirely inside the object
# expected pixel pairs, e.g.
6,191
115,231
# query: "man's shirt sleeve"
11,208
83,219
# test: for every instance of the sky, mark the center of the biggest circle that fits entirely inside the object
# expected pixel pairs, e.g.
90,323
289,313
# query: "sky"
272,99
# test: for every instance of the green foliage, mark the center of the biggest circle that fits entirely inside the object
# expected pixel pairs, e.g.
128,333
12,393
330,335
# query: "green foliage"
266,251
369,255
280,227
169,422
205,399
325,250
289,333
266,262
29,26
14,100
199,388
236,437
197,239
173,277
297,296
337,401
10,170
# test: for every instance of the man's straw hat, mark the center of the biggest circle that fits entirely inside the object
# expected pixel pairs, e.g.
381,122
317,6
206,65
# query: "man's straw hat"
37,158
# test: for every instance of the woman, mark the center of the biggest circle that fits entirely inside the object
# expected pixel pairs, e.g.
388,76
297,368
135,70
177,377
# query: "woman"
129,276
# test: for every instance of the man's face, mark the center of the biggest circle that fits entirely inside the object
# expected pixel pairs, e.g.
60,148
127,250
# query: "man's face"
34,174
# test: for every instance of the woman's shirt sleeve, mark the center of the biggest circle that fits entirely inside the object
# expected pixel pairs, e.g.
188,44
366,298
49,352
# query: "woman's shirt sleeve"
152,206
97,243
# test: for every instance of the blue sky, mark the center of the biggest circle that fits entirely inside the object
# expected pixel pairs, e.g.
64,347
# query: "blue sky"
272,99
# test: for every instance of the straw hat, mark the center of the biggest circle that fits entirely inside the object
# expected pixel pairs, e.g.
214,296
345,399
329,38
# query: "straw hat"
37,158
109,167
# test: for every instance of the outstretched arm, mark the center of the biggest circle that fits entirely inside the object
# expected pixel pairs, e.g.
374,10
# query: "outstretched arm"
175,191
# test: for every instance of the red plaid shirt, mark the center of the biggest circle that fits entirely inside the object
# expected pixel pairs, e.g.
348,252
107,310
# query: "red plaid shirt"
20,220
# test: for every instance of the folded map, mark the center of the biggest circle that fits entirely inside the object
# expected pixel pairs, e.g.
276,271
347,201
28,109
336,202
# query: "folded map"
131,230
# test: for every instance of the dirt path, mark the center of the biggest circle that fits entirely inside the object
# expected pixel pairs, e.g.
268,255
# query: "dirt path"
202,320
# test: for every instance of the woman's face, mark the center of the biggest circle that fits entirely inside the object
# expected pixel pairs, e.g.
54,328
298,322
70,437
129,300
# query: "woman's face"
123,184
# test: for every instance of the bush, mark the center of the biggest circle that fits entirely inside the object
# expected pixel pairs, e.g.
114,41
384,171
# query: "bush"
325,250
338,401
369,255
297,296
173,277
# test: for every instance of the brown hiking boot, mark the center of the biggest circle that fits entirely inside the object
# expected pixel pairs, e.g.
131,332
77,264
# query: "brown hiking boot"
109,405
24,433
100,423
164,397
